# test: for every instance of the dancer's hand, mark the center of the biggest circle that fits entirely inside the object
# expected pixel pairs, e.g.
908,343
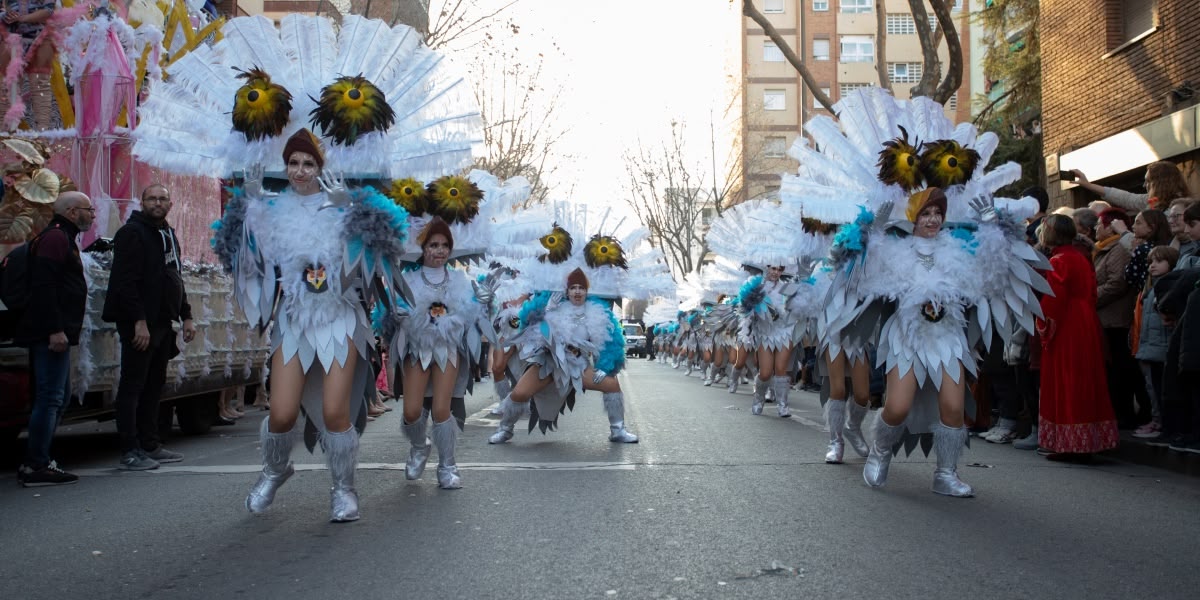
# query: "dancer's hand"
252,178
334,185
984,207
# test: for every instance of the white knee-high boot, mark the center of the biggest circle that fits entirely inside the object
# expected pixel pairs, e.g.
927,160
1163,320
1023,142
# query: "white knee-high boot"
614,405
277,467
948,442
341,453
445,437
418,438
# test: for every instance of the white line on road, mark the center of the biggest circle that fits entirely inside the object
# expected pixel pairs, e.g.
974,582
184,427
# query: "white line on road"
237,469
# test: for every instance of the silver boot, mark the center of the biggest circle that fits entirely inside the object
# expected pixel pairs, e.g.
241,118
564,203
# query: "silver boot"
508,420
760,396
879,458
614,405
948,442
734,379
418,454
503,388
782,384
277,468
341,452
708,374
445,437
718,374
835,418
853,432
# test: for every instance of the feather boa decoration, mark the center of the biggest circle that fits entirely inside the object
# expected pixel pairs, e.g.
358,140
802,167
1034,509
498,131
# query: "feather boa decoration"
752,296
226,241
612,351
375,230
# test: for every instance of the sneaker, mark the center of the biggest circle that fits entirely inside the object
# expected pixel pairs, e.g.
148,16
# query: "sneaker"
1150,430
136,460
45,476
1187,443
163,455
1029,442
1001,436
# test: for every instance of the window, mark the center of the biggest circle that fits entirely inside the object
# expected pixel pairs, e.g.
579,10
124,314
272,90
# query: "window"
904,72
774,100
771,52
901,24
773,6
820,5
845,89
1137,17
857,48
952,103
776,147
820,50
858,6
817,103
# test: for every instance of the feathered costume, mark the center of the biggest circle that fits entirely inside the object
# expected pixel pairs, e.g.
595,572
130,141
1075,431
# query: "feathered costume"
386,108
562,340
930,300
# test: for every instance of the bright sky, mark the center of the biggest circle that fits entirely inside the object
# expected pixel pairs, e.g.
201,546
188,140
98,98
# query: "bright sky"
626,69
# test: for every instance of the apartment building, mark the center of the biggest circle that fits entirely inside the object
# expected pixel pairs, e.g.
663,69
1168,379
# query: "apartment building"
1120,89
411,12
837,40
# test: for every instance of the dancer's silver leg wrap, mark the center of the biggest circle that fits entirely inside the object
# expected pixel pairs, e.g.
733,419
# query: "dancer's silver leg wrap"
782,384
421,446
835,419
853,433
445,437
707,371
277,467
511,413
760,396
718,373
948,442
341,453
879,458
614,405
503,389
734,379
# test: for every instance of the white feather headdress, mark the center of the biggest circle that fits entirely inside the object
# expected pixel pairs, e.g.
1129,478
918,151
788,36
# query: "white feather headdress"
185,124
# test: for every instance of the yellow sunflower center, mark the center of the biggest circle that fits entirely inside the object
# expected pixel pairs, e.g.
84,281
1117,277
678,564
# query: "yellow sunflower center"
952,162
603,249
552,240
452,192
354,97
253,96
408,191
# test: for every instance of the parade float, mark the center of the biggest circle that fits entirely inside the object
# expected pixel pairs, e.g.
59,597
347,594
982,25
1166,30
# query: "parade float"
108,60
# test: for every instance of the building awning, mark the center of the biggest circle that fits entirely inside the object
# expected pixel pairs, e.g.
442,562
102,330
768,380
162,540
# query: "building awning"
1160,139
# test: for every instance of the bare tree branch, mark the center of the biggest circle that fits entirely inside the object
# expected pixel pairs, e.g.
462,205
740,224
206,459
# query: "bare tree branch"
930,67
460,18
810,82
954,72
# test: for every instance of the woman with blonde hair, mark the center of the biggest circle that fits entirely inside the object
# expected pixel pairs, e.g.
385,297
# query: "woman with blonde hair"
1164,183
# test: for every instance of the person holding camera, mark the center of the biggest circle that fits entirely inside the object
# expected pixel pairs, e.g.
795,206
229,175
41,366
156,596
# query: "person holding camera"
1163,182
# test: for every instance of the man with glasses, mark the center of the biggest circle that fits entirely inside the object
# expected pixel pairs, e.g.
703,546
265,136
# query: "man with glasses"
145,298
52,324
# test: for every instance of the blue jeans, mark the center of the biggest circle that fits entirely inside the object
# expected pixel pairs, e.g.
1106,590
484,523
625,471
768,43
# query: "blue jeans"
52,391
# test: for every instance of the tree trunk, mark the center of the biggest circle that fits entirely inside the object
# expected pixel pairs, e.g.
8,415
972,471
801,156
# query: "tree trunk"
885,82
930,69
810,82
954,73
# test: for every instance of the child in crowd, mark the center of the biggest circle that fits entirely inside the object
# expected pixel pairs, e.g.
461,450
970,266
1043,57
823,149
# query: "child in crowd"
1150,336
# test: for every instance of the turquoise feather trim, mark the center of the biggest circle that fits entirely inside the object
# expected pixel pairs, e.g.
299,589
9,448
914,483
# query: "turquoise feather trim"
612,354
533,308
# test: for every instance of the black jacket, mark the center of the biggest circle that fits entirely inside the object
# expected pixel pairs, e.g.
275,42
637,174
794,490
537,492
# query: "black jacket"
146,283
58,290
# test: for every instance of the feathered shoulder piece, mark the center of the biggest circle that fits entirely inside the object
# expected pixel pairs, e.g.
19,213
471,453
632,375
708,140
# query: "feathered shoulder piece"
375,230
227,231
752,296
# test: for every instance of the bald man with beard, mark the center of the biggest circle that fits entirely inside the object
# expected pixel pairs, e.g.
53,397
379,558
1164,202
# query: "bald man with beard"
52,324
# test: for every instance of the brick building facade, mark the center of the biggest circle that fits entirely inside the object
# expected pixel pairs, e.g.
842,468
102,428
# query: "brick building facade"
1120,85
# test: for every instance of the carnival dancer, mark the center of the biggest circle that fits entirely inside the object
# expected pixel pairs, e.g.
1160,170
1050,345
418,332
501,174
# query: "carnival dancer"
442,309
581,348
29,39
307,261
293,248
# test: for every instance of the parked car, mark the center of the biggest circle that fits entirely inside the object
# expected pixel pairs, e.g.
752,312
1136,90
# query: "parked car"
635,339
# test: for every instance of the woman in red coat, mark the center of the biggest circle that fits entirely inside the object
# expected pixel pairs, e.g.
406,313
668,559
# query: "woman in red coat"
1076,418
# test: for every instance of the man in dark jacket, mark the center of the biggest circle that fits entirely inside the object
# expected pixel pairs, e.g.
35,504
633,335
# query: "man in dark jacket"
145,297
53,321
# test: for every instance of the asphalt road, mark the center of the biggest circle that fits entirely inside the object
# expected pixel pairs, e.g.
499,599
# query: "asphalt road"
713,503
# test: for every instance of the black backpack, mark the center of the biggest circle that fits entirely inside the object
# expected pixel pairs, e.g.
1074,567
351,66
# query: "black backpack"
15,282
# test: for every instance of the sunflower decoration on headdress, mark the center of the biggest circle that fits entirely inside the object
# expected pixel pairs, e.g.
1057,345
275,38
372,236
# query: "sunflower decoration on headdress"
410,195
455,199
557,244
350,107
899,163
945,163
604,251
260,107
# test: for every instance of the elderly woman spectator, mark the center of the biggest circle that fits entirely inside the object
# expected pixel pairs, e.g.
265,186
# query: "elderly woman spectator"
1164,183
1114,303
